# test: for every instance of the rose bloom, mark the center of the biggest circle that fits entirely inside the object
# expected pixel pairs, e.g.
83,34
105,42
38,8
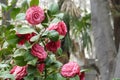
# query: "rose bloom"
53,46
60,27
35,15
19,72
39,52
25,37
70,69
41,67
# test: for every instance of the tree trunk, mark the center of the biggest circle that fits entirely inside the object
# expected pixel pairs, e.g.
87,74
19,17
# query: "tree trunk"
103,38
117,69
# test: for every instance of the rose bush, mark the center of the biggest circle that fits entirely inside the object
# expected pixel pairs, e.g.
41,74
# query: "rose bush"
40,41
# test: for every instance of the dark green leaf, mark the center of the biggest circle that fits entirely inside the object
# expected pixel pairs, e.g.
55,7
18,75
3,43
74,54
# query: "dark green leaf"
14,12
28,56
59,51
20,62
31,70
53,35
29,77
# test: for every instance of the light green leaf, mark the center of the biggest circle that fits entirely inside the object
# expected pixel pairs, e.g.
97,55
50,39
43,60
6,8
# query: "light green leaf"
4,65
35,38
60,15
25,30
20,16
55,20
6,75
54,8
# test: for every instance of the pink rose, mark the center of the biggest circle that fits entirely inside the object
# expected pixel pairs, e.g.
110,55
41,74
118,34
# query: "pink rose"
82,76
35,15
53,46
39,52
70,69
41,67
60,27
25,37
19,72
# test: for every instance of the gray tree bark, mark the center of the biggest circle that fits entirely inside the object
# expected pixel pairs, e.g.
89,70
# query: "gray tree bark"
117,69
103,38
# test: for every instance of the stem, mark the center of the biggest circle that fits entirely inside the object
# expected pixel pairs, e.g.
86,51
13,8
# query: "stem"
45,73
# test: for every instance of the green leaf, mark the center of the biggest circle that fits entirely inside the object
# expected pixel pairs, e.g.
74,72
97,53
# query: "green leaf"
12,38
60,15
31,70
20,62
54,8
29,77
59,77
28,56
6,75
33,62
75,78
4,65
14,12
34,2
25,30
19,57
19,53
59,51
55,20
20,16
35,38
55,76
53,35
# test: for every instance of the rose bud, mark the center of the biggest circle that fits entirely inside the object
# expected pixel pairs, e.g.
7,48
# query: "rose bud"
70,69
19,72
82,76
53,46
41,67
60,27
39,52
35,15
25,37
